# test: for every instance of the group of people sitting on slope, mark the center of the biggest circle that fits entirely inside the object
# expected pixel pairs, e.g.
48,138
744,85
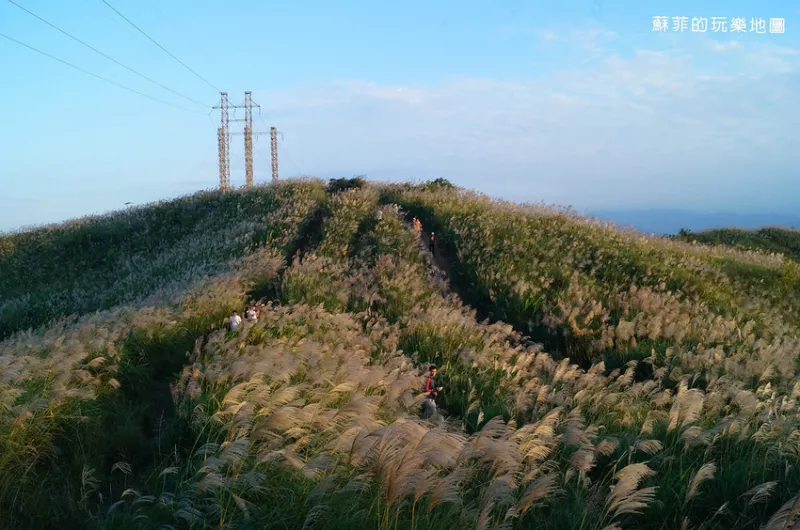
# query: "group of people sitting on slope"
251,314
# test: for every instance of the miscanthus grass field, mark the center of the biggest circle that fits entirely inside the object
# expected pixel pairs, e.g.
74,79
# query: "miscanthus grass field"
593,379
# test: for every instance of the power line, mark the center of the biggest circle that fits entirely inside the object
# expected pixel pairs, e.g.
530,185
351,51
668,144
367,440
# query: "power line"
97,76
160,46
104,55
291,160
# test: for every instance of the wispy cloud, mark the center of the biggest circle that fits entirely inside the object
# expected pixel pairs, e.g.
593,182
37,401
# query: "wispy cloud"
547,35
592,42
722,46
651,123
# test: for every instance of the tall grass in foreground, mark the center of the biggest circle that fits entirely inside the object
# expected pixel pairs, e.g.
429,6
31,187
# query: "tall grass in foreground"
82,402
326,392
319,369
678,409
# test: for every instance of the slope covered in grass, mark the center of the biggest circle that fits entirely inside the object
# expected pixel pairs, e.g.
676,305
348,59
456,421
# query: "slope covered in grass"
777,240
586,288
98,262
658,388
83,394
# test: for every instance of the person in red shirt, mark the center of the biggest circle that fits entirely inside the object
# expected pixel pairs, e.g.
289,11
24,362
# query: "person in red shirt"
429,406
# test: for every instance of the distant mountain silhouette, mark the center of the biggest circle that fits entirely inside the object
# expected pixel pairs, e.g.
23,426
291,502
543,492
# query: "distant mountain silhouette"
663,221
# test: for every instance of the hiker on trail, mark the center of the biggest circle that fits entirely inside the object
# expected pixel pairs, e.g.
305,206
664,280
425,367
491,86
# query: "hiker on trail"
432,243
417,226
251,314
432,391
380,214
235,320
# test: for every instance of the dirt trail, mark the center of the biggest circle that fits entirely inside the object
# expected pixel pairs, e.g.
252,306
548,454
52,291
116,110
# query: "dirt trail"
441,270
439,260
438,267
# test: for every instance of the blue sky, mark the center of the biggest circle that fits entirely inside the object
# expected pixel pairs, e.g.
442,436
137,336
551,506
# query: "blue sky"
579,104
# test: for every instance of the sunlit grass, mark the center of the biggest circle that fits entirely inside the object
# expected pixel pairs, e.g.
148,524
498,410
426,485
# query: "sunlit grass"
660,392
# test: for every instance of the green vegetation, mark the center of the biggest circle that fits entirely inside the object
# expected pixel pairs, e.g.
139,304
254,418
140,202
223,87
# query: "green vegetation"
97,263
344,184
438,184
784,241
619,382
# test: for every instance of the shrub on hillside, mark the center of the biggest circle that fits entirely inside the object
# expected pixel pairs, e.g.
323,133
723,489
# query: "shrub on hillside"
343,184
438,184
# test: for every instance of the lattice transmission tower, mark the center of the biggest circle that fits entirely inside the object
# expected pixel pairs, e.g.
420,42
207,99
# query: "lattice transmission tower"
273,144
248,135
224,139
224,143
248,139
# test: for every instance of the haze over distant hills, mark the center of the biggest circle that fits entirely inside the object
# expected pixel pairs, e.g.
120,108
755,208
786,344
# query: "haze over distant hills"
666,221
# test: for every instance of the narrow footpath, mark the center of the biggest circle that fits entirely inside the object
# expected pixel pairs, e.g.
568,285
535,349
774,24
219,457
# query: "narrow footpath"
440,271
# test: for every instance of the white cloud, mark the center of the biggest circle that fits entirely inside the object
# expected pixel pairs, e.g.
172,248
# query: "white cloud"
648,127
719,46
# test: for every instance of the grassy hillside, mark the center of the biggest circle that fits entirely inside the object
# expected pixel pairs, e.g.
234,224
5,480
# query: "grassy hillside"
99,262
594,379
784,241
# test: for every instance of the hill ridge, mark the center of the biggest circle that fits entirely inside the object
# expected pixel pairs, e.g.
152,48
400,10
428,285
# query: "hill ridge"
660,359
